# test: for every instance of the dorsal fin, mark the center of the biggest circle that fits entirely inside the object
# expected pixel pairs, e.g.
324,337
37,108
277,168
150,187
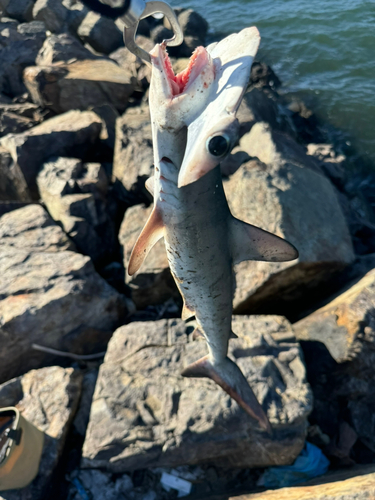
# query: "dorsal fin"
151,234
252,243
150,184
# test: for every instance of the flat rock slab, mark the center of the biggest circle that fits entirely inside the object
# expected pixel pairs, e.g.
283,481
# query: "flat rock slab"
49,295
300,205
68,134
48,398
341,486
79,85
144,414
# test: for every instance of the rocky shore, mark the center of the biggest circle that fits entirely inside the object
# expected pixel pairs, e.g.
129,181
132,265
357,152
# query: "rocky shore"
75,152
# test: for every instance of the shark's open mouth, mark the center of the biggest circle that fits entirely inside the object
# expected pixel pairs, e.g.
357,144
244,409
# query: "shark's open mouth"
180,82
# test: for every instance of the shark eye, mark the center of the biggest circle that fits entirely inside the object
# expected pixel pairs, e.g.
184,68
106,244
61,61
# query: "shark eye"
218,145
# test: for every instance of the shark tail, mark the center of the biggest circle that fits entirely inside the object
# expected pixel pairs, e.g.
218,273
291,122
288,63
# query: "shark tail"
230,378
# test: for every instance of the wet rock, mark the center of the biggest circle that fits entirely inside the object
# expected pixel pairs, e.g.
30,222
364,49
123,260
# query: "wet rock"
263,75
52,297
19,47
62,48
75,195
133,156
33,228
356,484
53,14
153,284
47,398
79,85
20,10
12,183
300,205
70,133
145,414
100,32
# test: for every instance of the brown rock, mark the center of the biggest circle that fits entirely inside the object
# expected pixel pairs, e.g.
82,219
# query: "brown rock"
336,486
48,398
153,284
133,155
79,85
144,414
70,133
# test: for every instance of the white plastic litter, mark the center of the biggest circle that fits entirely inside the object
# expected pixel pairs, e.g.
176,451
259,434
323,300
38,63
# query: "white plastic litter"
168,481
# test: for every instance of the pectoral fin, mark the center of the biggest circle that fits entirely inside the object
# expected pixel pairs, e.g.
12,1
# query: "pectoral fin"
150,185
151,234
252,243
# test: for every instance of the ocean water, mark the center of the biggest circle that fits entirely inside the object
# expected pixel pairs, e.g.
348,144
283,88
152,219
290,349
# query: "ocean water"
322,50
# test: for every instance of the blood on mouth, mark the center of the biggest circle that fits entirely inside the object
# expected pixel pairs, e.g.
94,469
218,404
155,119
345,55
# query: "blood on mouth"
179,82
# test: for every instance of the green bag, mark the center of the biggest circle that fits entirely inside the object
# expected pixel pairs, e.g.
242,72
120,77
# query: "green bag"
21,446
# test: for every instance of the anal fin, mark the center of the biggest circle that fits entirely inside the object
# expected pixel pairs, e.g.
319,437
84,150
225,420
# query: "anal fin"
252,243
230,378
151,234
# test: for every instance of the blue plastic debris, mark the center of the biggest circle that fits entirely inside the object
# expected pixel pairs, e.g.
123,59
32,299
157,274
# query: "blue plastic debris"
310,463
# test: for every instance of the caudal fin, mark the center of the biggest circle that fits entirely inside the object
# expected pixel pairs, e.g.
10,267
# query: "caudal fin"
230,378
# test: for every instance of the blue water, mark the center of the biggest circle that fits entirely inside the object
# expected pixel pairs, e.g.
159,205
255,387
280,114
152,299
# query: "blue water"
322,50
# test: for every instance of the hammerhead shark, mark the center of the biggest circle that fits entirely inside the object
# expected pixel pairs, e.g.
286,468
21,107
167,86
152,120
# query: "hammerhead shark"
194,127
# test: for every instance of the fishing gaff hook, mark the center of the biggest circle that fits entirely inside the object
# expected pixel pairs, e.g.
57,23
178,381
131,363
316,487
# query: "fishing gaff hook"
139,9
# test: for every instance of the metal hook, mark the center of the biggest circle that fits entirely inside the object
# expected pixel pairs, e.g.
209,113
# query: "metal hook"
142,10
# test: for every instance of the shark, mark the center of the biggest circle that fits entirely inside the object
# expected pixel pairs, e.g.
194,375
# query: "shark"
194,127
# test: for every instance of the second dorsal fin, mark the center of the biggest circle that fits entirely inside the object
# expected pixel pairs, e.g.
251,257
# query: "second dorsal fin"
252,243
151,234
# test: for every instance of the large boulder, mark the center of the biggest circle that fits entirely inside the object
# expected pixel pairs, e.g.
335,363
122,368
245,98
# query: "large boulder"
75,195
101,33
290,198
133,156
144,414
19,47
20,10
72,133
79,85
52,12
47,398
153,284
62,48
49,295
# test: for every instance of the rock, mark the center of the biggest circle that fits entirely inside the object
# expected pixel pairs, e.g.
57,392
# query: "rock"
62,48
263,75
20,10
356,484
102,486
79,85
331,161
47,398
193,24
81,418
144,414
153,284
12,183
19,46
133,156
75,194
100,32
53,14
300,205
16,118
71,133
53,298
77,13
33,228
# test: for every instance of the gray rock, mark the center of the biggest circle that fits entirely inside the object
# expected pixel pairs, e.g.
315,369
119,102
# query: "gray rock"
62,48
153,284
83,412
101,33
80,85
52,12
12,183
144,414
19,46
31,227
20,10
51,297
133,156
71,133
16,118
193,24
296,202
102,486
75,194
47,398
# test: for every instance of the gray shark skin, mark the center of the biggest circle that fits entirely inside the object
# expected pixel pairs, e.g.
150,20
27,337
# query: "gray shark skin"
203,240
